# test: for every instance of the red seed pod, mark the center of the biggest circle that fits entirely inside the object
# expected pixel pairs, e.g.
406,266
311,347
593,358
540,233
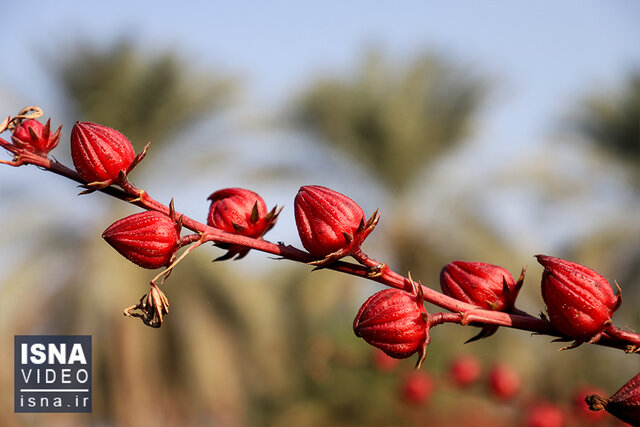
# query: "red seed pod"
464,370
35,137
504,382
149,239
100,153
484,285
330,224
545,414
580,302
624,404
417,388
394,321
240,211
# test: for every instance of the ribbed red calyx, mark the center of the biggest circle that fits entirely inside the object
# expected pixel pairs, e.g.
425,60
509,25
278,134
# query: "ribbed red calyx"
149,239
580,302
330,224
33,136
484,285
240,211
624,404
394,321
100,153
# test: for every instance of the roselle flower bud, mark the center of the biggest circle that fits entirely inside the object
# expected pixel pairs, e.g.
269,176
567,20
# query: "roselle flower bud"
149,239
580,302
33,136
624,404
394,321
504,382
330,224
484,285
240,211
100,153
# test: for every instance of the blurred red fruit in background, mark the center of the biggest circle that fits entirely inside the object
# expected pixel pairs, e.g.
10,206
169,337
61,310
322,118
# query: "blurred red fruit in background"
464,370
581,409
417,388
504,382
382,362
544,414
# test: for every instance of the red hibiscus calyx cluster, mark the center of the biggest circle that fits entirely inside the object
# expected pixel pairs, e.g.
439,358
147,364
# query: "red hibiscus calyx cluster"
31,141
486,286
580,303
102,156
149,239
33,136
332,226
243,212
396,322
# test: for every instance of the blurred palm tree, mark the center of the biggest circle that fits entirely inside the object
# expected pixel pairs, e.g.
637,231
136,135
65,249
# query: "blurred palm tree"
611,121
146,96
222,356
394,120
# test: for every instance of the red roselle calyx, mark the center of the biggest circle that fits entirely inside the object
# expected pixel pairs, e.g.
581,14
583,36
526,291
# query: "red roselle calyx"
624,404
149,239
484,285
240,211
33,136
330,224
580,302
396,322
100,154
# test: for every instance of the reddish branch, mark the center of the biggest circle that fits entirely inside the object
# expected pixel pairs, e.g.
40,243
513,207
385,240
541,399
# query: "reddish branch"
460,312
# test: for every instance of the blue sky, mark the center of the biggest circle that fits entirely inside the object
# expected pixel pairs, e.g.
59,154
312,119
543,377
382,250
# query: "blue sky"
544,52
